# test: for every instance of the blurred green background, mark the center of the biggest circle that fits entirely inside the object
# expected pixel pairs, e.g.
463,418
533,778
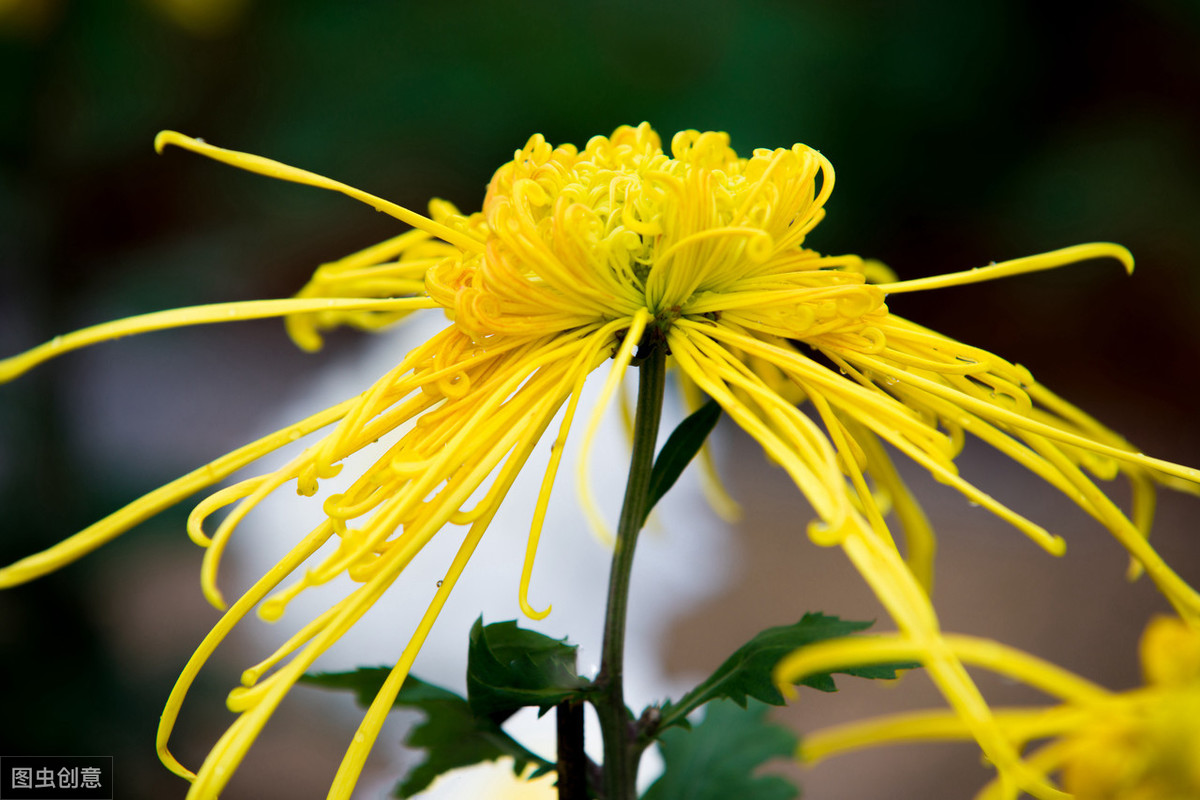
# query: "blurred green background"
962,133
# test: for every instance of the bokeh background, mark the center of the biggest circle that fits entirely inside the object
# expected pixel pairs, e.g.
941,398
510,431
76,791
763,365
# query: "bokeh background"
962,133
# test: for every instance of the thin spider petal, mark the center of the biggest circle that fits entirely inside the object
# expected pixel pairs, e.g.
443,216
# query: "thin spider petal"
1018,266
1020,725
581,369
252,597
621,361
997,657
112,526
274,169
909,607
920,546
15,366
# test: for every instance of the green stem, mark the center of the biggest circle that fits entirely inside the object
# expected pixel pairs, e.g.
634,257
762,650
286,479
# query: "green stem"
621,748
572,763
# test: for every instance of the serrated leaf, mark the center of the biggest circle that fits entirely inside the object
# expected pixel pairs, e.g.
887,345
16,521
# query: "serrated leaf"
451,735
366,682
717,758
678,451
747,673
509,668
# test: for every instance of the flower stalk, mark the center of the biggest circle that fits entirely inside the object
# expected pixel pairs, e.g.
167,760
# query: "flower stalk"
572,763
622,749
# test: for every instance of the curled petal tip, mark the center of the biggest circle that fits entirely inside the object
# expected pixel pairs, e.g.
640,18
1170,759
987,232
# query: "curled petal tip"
784,684
829,533
163,139
1125,257
1057,546
1135,570
532,612
1109,250
169,761
214,597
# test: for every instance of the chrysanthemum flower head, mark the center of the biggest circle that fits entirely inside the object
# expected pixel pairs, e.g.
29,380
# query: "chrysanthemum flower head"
1143,744
622,229
1146,746
601,255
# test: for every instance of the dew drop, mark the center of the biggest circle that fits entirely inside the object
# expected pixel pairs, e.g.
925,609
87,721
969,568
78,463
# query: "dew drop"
439,583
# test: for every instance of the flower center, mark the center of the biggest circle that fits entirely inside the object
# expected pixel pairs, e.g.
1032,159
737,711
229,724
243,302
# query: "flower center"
575,239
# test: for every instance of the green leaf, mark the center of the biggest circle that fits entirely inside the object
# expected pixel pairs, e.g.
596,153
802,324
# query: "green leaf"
451,734
453,737
717,758
509,668
366,682
678,451
747,673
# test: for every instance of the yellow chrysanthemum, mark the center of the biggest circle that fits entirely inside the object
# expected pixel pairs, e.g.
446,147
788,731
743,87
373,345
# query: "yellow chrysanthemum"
1143,744
582,257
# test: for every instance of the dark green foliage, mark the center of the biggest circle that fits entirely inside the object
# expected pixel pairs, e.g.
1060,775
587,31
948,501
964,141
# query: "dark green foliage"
451,735
679,449
509,668
747,673
717,758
